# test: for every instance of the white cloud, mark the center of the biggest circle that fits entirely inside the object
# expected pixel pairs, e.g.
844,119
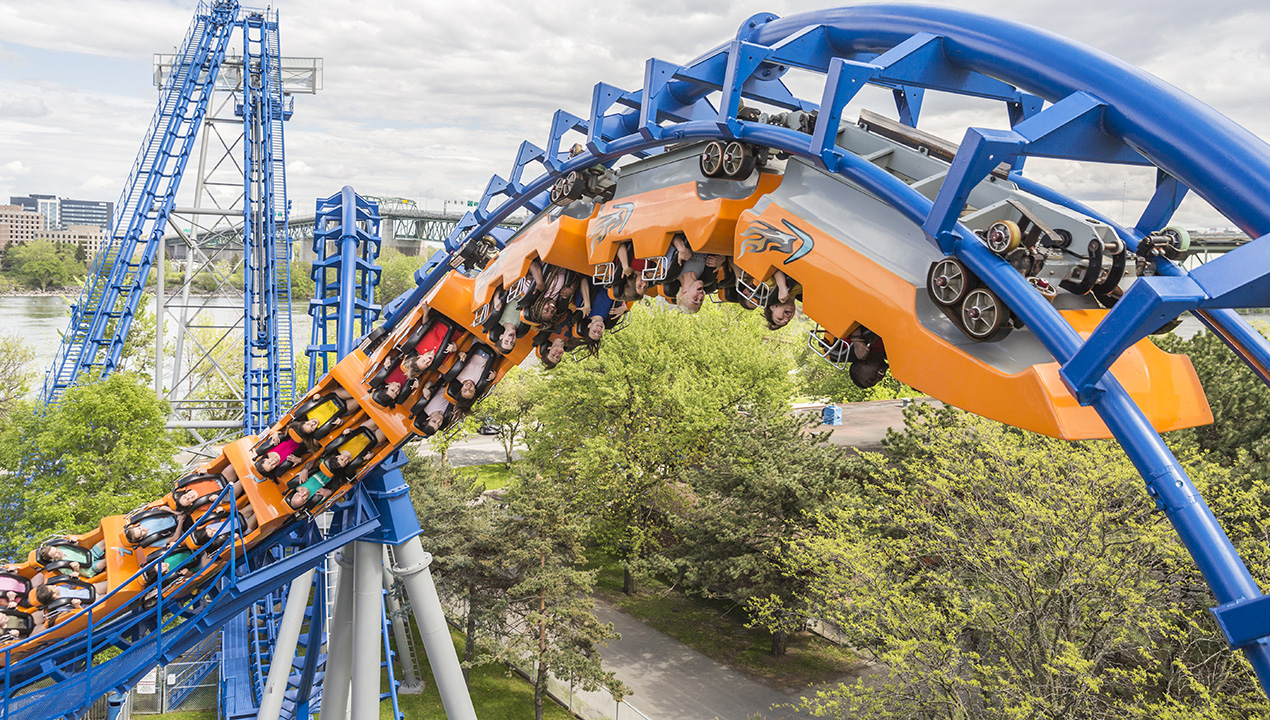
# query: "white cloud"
427,99
25,107
14,168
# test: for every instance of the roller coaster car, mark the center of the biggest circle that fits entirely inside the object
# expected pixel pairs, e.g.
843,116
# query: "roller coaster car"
860,262
392,357
554,236
360,444
667,195
14,588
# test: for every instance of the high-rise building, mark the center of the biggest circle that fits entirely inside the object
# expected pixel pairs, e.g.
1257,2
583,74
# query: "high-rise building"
86,212
60,212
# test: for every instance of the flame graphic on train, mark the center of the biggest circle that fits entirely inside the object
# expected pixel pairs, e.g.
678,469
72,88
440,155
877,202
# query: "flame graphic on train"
761,236
613,222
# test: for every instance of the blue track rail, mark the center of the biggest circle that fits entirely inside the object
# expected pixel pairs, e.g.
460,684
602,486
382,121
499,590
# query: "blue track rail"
269,378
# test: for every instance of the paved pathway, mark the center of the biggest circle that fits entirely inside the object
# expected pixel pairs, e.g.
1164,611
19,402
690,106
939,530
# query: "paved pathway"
674,682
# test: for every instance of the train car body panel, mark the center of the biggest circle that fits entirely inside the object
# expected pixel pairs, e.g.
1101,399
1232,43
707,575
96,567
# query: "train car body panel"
556,237
667,195
861,263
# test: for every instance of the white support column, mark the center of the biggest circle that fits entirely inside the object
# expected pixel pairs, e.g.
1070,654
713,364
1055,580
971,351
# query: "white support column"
368,607
339,646
284,651
412,568
401,634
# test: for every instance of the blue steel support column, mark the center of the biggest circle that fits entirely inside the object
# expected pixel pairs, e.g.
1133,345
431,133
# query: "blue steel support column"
348,268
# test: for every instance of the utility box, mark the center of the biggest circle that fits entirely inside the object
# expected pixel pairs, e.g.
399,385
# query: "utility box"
832,415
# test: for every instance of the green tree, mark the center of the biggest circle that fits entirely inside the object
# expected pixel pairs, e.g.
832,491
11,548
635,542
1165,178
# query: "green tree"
470,544
44,263
510,405
302,284
1018,576
138,348
551,595
1240,432
398,274
102,451
761,487
622,427
15,378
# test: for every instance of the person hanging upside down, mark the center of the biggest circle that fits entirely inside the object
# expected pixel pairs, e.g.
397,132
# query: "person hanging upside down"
630,284
467,381
868,366
780,304
687,274
310,488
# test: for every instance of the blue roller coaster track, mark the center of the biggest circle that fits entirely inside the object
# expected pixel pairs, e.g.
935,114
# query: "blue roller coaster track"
1090,107
104,311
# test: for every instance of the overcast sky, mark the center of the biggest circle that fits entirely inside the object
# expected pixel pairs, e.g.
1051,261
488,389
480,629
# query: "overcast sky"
426,99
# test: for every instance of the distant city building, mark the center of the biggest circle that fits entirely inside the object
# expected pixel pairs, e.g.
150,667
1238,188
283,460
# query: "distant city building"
89,237
18,224
59,213
86,212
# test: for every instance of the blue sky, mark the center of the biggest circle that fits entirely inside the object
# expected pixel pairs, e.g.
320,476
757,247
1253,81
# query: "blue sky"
427,99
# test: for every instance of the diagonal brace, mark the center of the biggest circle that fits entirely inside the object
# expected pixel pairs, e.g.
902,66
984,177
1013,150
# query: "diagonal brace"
1148,304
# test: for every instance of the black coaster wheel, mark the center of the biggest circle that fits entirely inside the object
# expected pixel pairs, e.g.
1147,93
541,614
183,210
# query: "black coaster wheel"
948,282
984,317
574,185
711,159
738,161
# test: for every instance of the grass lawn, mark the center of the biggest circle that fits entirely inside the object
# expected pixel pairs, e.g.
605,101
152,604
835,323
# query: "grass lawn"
494,475
716,629
496,695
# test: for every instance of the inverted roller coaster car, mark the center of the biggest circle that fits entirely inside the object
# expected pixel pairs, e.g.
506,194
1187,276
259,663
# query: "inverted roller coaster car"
861,263
556,236
667,195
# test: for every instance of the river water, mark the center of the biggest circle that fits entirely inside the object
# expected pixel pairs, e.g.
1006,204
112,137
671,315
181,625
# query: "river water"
41,320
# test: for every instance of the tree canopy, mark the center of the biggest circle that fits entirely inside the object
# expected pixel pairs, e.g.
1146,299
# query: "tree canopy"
767,477
43,263
998,573
15,377
620,427
102,451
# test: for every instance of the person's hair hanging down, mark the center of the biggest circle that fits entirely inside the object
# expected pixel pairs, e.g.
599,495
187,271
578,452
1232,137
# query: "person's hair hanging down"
780,304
